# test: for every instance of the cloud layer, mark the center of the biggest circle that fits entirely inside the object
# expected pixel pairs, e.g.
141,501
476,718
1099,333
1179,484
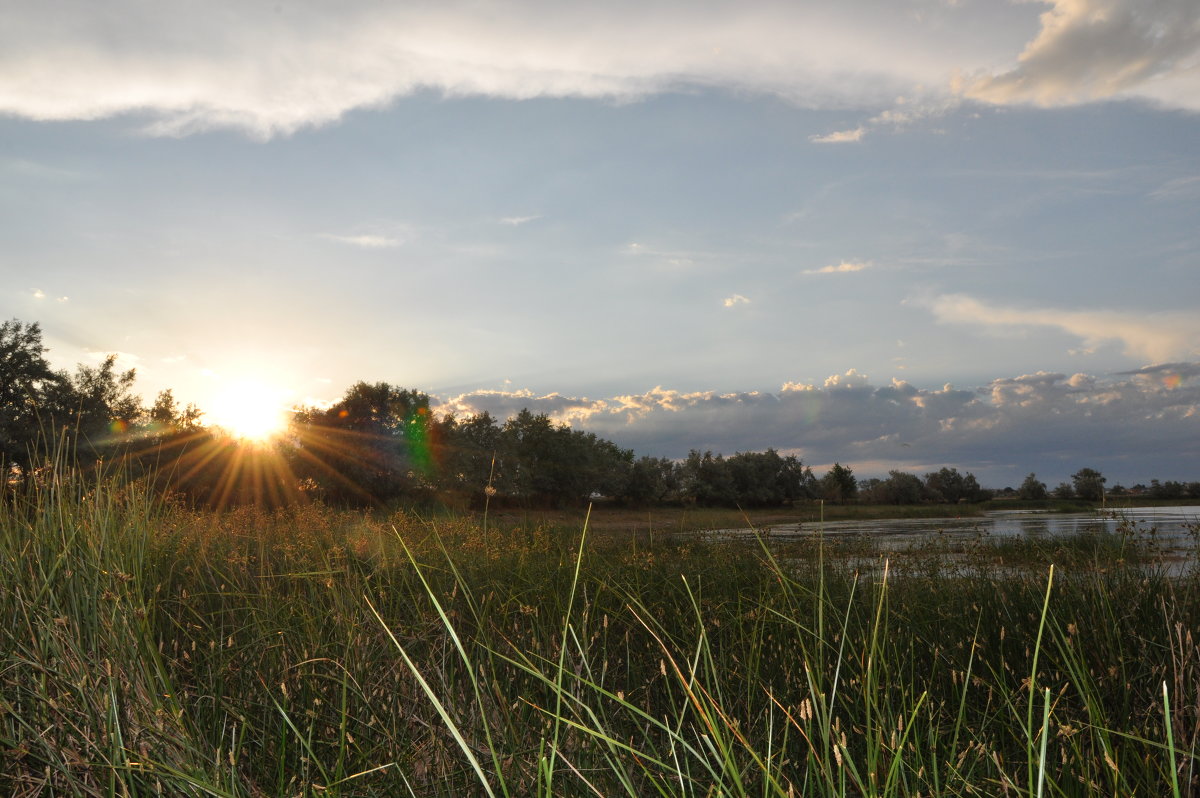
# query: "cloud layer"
1135,426
272,69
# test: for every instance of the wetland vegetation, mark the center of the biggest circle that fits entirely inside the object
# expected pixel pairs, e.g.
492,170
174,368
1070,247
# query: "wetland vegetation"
155,649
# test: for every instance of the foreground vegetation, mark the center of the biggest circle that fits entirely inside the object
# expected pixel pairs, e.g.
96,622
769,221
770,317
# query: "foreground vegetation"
151,649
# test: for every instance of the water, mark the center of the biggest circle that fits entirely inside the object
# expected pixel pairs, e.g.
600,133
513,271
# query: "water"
1173,528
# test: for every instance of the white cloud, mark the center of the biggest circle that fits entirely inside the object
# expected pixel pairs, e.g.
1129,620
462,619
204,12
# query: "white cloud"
506,404
1154,336
62,299
736,299
1178,188
39,171
517,221
840,136
273,69
851,379
1096,49
39,293
844,267
367,241
903,113
124,361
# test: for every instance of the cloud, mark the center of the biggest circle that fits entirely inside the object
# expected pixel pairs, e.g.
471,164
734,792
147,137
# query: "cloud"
840,136
124,361
39,171
39,293
506,404
517,221
365,241
845,267
1178,188
1154,336
736,299
272,69
1133,426
1182,370
1090,50
673,258
904,112
62,299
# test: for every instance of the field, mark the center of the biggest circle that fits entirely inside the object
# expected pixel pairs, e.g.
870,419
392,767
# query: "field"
151,649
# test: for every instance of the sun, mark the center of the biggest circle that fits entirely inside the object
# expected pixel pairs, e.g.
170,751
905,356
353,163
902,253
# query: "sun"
249,410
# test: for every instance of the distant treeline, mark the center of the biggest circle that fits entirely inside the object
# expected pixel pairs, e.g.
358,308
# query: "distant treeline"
381,444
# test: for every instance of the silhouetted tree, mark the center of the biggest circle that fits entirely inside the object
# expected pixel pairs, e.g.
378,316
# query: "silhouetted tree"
27,385
899,488
1088,484
1032,489
839,485
652,480
707,480
947,485
376,444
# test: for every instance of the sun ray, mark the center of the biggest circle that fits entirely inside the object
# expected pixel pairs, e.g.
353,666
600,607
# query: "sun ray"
250,410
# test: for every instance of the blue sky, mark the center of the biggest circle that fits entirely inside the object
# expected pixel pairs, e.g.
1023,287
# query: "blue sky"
894,234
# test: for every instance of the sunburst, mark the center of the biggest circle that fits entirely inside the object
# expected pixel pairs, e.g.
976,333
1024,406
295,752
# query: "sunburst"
250,411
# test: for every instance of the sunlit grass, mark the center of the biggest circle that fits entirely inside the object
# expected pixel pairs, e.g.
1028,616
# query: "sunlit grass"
309,651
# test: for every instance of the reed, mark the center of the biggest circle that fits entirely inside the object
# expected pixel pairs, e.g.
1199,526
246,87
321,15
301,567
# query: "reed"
151,649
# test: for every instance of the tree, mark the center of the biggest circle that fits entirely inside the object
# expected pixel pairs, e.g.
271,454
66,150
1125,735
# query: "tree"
472,455
1031,489
652,480
164,416
707,480
763,479
1167,490
839,485
1088,484
27,384
901,488
1064,490
553,464
947,485
376,444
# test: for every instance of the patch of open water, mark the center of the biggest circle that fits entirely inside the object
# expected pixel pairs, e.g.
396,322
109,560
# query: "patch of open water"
1175,529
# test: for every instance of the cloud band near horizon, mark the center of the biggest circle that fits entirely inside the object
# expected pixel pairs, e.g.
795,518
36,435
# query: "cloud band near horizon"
1045,422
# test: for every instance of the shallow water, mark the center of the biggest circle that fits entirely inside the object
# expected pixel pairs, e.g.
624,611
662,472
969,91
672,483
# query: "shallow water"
1175,529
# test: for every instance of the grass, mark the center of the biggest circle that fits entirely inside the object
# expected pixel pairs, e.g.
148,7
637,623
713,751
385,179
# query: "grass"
154,650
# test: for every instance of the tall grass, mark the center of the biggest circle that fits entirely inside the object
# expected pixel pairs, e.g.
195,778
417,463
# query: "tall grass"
150,650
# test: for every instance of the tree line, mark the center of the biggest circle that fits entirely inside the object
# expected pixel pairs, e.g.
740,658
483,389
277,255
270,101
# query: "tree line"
382,444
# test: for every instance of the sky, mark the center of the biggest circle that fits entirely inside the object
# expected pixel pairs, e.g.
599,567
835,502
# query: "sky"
890,233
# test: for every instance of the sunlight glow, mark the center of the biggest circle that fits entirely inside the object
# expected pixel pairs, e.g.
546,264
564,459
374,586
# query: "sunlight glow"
250,410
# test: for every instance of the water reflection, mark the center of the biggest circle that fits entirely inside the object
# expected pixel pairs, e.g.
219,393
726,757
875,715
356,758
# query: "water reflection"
1175,528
